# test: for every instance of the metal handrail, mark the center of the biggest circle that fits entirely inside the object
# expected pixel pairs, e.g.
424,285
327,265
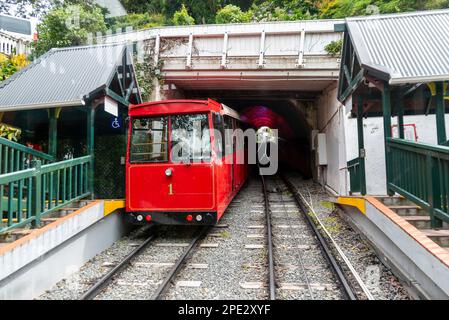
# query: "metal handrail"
16,157
420,172
21,147
28,195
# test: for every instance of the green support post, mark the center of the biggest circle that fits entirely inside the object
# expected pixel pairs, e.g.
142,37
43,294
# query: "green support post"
400,106
53,115
37,194
386,107
361,145
440,111
90,146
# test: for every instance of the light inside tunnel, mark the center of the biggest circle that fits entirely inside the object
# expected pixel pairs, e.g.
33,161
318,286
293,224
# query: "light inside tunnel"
261,116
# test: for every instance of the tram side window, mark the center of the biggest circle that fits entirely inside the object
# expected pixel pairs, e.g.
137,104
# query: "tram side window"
228,126
149,140
190,138
217,120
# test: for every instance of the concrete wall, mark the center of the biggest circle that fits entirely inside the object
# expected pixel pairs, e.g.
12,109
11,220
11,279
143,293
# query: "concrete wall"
331,121
375,147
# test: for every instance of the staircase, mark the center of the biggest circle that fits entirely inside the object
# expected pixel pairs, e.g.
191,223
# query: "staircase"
35,190
419,218
17,233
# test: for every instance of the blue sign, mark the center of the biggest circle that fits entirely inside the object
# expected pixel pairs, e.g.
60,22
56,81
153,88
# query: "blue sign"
116,123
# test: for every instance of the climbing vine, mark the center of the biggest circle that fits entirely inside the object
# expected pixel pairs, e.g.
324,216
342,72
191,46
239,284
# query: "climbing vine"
148,72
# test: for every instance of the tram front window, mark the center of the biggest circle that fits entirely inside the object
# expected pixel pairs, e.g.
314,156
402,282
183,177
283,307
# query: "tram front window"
190,138
149,140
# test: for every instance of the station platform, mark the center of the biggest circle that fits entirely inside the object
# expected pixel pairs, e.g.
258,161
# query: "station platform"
402,235
33,260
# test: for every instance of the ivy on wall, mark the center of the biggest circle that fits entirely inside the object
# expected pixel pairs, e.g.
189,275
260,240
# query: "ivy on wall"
148,72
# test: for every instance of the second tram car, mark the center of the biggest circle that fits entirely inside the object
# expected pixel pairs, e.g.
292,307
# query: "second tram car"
177,170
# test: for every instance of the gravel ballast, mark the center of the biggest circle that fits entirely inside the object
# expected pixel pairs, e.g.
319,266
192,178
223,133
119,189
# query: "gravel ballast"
231,261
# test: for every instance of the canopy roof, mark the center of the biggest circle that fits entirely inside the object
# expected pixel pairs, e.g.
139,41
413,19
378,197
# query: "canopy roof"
403,48
69,76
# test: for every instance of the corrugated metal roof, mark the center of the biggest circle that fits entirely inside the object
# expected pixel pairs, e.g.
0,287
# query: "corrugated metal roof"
61,77
16,25
405,48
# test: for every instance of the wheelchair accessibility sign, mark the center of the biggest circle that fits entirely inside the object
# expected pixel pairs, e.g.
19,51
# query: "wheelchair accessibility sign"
116,123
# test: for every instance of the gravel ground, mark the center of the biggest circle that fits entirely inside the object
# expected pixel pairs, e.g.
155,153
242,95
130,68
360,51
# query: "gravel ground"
231,265
382,284
226,268
79,282
136,282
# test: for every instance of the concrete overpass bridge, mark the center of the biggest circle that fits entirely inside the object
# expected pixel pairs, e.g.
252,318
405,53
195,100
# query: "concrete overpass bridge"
281,65
283,56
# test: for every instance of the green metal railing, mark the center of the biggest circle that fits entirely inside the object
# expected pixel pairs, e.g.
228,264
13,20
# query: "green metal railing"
354,175
15,156
28,195
420,172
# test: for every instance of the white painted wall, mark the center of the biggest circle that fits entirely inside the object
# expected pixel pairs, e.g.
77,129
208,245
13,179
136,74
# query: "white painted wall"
375,147
331,121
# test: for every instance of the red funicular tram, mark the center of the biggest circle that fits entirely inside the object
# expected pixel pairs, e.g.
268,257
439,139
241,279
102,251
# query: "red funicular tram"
177,168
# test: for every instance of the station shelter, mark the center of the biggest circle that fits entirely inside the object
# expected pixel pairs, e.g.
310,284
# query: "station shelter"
395,67
62,121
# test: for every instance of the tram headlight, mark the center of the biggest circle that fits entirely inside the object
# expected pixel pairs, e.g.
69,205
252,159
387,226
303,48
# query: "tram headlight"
169,172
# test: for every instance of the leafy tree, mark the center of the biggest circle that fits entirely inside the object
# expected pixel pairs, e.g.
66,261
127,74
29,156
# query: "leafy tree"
137,21
182,17
145,6
232,14
10,65
346,8
68,26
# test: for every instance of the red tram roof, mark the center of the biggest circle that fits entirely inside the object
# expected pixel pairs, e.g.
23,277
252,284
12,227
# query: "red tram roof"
174,107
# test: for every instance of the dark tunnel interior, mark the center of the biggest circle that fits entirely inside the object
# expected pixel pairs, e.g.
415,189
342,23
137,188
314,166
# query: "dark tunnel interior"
294,129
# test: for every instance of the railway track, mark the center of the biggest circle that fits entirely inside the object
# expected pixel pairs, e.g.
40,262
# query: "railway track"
113,276
286,209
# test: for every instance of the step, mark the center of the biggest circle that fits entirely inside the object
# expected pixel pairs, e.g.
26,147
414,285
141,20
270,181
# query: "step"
420,222
65,211
408,210
46,221
395,201
14,235
441,237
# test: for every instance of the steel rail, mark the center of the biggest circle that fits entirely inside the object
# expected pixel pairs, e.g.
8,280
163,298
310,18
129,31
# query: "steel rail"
271,277
162,289
350,295
301,258
106,279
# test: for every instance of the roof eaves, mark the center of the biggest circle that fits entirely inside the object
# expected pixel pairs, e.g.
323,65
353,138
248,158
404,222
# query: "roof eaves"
111,76
378,71
72,103
356,39
422,79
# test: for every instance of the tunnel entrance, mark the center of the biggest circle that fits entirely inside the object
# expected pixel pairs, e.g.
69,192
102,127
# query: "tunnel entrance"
292,112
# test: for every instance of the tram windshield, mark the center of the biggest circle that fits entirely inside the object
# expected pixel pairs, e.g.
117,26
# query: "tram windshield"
190,138
149,140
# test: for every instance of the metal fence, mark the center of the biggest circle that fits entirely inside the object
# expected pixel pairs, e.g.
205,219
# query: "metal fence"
354,175
420,172
15,156
28,195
